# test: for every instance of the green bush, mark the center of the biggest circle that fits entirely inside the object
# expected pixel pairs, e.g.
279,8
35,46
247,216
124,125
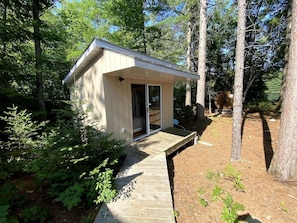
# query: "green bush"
77,164
10,199
72,158
35,214
4,213
264,106
23,141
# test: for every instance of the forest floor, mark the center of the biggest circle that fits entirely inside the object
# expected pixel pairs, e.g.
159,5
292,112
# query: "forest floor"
197,169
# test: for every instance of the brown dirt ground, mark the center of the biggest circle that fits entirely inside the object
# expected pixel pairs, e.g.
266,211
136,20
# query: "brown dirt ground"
265,199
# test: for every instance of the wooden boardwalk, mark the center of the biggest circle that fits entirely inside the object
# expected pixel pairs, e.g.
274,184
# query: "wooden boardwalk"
143,182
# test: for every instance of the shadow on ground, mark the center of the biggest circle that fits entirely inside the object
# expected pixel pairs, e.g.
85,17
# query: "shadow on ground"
248,218
196,125
268,151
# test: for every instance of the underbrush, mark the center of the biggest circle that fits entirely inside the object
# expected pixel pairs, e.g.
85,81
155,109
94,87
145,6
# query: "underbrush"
72,160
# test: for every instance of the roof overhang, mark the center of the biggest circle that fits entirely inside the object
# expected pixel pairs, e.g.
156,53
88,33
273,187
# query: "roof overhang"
144,66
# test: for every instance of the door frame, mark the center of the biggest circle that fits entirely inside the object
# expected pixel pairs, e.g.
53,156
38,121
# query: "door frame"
147,107
148,129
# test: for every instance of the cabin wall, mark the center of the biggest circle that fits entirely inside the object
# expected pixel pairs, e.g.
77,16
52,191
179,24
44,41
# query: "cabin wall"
113,61
109,100
88,92
119,105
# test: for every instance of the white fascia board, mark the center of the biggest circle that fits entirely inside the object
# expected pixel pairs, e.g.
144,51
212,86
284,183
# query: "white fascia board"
167,70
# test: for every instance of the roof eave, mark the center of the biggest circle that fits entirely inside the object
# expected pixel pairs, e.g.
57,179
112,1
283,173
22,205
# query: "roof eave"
141,60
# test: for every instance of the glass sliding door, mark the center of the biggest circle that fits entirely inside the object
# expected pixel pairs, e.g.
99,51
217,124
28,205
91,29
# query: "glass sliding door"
139,113
154,107
146,109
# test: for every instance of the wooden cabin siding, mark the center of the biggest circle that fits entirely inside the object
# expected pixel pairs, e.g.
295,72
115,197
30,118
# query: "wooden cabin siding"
89,89
113,61
118,108
167,105
109,100
119,105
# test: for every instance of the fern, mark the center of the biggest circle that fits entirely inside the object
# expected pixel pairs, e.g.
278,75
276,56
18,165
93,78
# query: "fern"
71,196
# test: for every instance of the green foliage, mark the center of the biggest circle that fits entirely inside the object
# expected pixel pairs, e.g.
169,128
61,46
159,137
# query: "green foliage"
10,197
230,208
210,175
74,159
87,219
35,214
273,87
216,193
23,141
8,194
204,203
4,213
77,164
71,196
235,175
176,213
80,21
103,182
261,105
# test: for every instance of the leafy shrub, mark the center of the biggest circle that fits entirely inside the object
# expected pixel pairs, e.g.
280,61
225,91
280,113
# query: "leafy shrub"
74,159
264,106
9,194
10,199
35,214
23,139
77,164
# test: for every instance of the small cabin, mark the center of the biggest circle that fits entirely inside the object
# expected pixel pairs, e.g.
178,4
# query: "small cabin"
129,93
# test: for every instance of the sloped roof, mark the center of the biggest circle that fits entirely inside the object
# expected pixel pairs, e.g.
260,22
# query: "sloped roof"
144,67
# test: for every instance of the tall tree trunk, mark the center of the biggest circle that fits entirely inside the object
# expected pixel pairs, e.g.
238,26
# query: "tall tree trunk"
288,36
238,83
188,100
4,21
283,164
38,55
200,97
5,77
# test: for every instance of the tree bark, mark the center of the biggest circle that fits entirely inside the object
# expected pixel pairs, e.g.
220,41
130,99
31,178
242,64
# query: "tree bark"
283,164
238,83
38,55
200,97
188,100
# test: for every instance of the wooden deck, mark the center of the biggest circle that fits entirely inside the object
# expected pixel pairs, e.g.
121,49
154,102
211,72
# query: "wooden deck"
143,182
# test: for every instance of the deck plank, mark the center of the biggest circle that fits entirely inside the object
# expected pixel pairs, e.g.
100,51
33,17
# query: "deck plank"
143,181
